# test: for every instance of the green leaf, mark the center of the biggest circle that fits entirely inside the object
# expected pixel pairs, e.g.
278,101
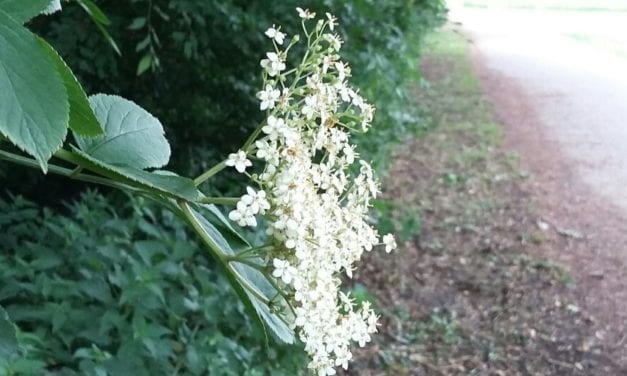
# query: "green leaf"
100,20
23,10
243,278
144,64
8,336
141,45
137,23
28,367
133,137
109,38
94,12
82,118
161,182
34,109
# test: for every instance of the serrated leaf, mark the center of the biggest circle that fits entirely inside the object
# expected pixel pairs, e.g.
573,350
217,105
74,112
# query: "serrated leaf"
34,109
162,182
82,118
8,336
133,137
243,278
23,10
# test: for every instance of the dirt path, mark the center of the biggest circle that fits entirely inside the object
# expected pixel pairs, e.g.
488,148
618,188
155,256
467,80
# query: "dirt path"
567,124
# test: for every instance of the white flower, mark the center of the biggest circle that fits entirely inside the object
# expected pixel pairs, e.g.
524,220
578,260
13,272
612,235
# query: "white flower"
243,215
273,64
256,201
310,107
275,127
305,14
267,151
332,21
239,161
316,209
390,242
334,40
268,97
283,270
274,33
343,70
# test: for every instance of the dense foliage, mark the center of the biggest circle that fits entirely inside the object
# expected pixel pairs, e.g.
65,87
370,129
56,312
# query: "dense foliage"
102,289
122,292
204,63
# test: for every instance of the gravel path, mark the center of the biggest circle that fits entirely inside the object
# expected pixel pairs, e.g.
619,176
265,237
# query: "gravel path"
564,104
579,92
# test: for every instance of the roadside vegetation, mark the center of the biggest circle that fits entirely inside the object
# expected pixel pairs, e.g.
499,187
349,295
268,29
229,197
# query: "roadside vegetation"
469,294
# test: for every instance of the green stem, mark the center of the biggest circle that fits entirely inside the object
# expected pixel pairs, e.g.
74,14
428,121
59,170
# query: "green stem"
28,162
246,262
252,137
282,294
209,173
217,252
254,250
219,200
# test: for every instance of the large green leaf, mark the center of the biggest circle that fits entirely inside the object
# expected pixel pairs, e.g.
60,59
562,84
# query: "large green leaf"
82,118
34,109
23,10
133,137
8,339
244,278
162,182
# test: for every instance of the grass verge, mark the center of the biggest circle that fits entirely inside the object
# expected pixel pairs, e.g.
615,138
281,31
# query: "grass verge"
467,296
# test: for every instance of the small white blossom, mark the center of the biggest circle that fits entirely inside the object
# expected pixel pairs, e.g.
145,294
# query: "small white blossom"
267,151
256,201
268,97
305,14
239,161
332,21
390,242
343,70
243,215
311,106
275,127
275,34
316,208
283,270
334,40
273,64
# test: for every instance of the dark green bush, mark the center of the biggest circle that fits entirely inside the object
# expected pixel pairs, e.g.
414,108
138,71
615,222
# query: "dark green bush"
205,56
122,292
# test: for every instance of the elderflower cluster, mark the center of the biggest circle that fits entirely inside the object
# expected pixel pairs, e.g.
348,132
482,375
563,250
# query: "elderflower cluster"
315,207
